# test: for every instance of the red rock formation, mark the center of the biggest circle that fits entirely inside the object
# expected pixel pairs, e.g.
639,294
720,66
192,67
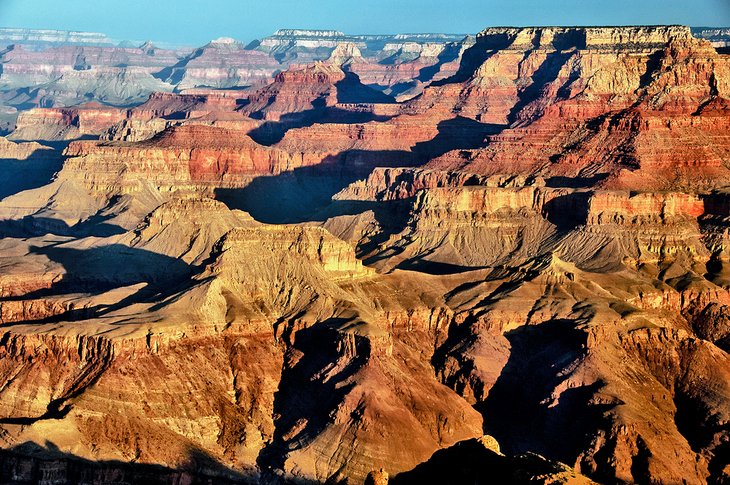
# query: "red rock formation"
557,275
142,122
66,123
595,117
403,183
311,88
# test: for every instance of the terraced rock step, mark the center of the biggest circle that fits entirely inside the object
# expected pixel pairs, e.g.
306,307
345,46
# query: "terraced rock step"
389,259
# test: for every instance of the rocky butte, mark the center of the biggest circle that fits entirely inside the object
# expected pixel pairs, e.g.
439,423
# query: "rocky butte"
324,258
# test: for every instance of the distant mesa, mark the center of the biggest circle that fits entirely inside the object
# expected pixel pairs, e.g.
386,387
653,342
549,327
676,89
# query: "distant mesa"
47,36
308,33
226,41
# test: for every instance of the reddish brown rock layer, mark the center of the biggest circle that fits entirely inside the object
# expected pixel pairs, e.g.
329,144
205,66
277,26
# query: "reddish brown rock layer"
557,275
66,123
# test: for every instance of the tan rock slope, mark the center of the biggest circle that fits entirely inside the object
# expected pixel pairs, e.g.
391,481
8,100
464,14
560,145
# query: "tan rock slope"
518,273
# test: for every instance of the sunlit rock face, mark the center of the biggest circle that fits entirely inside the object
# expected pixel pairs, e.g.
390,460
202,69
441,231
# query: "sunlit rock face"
388,259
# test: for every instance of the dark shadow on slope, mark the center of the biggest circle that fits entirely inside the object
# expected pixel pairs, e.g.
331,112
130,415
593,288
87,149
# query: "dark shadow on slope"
402,87
36,171
456,134
335,115
272,132
504,289
623,153
396,58
568,211
290,197
59,407
55,410
34,226
518,410
391,217
575,182
104,268
475,56
544,75
690,424
174,74
470,462
423,265
565,90
351,90
30,463
318,105
701,429
719,461
449,54
22,99
307,394
571,39
653,65
117,264
302,195
389,213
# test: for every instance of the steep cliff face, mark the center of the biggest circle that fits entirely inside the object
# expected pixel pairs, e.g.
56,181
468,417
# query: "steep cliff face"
312,88
449,209
403,183
289,297
458,229
407,68
222,63
535,247
182,157
658,226
66,123
591,110
160,111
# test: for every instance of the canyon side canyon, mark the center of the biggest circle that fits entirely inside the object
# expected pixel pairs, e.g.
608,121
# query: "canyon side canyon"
330,258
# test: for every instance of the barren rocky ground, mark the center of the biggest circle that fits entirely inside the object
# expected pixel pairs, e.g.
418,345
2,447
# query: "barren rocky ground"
500,259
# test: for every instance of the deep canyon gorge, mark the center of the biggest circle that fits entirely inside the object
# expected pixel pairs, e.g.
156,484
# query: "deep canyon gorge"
331,258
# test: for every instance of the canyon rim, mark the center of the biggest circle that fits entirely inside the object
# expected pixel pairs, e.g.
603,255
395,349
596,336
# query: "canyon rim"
321,257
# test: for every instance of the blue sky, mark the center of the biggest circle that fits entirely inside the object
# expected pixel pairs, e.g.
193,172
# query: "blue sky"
195,22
